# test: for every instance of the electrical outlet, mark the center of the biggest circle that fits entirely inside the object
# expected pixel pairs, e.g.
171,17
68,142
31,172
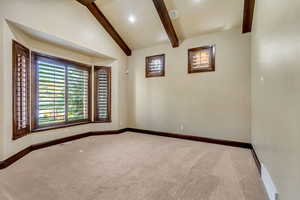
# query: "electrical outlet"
181,127
262,80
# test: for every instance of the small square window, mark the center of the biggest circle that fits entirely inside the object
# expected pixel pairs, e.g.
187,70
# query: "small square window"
201,59
155,66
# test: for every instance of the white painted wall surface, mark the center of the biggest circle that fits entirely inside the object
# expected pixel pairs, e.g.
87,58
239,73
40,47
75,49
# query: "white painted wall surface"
213,104
275,92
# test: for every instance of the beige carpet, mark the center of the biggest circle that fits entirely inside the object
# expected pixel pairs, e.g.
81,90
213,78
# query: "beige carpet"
133,166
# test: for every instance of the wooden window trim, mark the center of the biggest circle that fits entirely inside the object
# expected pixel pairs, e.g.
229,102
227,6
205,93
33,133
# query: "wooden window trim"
148,74
212,49
34,125
59,126
15,48
96,118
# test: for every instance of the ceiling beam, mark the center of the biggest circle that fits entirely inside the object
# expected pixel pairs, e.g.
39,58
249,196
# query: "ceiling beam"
248,15
86,2
166,21
106,24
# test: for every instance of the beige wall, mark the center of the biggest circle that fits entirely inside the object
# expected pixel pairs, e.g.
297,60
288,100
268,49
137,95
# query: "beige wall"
213,104
1,88
69,21
275,92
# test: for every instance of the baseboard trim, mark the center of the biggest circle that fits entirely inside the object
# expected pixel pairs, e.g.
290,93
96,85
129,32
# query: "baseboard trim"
9,161
257,162
203,139
194,138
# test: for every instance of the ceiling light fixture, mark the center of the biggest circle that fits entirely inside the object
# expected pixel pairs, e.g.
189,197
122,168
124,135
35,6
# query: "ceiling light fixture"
131,19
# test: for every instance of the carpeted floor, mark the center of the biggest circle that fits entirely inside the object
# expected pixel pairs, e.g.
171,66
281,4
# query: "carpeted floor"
133,166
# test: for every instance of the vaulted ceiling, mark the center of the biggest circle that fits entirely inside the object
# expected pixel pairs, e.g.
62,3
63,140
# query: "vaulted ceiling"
194,17
142,23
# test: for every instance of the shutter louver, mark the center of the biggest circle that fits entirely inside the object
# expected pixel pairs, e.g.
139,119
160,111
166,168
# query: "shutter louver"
78,82
51,93
201,59
155,66
102,94
20,90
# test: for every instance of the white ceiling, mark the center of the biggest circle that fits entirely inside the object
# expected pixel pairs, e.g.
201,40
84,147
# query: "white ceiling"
195,17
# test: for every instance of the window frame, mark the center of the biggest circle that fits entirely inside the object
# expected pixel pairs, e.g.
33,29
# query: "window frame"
96,86
162,73
211,68
16,46
34,126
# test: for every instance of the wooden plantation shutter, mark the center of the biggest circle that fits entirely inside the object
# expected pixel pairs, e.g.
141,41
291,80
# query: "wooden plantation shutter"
21,99
78,91
201,59
155,66
51,92
102,94
60,92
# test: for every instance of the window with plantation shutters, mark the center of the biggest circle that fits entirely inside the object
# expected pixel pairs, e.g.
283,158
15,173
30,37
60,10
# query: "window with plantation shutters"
155,66
51,92
201,59
60,92
78,91
20,73
102,94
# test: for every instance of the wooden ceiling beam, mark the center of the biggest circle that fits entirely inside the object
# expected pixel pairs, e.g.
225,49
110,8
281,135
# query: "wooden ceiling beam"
86,2
166,21
248,15
90,4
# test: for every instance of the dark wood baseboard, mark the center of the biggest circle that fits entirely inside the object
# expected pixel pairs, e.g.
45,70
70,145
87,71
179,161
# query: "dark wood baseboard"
194,138
9,161
257,162
14,158
203,139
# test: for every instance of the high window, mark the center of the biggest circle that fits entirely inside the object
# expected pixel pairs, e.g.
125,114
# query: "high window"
201,59
60,92
102,94
155,66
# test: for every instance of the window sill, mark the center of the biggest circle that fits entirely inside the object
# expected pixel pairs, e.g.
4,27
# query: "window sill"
59,126
107,121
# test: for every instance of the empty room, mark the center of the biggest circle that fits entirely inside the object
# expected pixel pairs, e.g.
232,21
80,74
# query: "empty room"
149,100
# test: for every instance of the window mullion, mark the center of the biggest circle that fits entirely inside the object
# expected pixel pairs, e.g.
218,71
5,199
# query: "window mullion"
66,94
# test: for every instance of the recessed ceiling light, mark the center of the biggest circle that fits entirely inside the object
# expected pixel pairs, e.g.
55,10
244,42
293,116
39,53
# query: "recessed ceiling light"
131,19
